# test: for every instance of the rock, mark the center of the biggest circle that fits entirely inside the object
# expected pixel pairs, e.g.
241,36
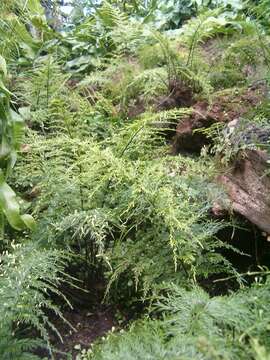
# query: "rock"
186,138
224,108
242,134
248,187
179,95
135,109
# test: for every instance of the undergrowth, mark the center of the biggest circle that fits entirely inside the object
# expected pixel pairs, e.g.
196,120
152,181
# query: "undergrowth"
28,275
195,326
101,101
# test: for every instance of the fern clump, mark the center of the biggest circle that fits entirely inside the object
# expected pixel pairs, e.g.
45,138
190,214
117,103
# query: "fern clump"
243,52
151,56
28,277
127,83
112,184
247,57
45,81
223,78
102,97
193,325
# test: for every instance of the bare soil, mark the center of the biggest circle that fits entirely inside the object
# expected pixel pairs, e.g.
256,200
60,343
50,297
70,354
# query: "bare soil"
88,327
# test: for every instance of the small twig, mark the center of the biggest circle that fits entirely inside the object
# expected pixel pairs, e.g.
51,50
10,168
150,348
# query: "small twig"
253,273
184,268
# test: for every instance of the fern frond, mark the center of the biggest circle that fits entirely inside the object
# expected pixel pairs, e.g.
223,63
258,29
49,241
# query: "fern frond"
111,16
194,326
27,277
205,26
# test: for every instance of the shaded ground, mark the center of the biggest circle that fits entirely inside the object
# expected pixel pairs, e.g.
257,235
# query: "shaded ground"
87,320
89,326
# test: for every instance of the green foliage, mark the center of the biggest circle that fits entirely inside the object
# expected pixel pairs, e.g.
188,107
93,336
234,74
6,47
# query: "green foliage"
151,55
102,183
195,326
11,124
28,275
210,24
243,52
160,14
248,56
23,28
180,71
82,183
146,85
170,14
101,36
11,133
259,10
45,82
223,77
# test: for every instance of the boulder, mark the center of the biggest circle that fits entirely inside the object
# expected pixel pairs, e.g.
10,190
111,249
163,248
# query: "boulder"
224,108
247,185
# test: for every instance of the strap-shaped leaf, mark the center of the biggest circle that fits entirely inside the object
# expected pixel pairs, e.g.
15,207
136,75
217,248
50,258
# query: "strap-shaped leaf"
11,133
5,148
17,124
3,89
3,66
11,209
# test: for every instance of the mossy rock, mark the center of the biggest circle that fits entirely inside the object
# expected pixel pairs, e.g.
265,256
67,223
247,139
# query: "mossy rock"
151,56
226,78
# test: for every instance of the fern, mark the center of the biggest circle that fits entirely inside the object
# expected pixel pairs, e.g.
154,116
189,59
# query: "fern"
102,184
28,276
111,16
193,325
113,185
177,69
149,84
208,25
45,81
17,40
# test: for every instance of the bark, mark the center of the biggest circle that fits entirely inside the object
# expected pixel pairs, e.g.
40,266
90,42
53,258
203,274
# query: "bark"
247,185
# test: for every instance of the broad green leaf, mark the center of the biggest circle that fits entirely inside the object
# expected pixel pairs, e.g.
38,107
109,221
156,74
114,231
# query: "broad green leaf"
3,89
77,62
5,149
3,66
25,112
29,221
17,129
10,207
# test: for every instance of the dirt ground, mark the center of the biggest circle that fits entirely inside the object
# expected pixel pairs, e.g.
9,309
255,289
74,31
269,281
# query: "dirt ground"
89,326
